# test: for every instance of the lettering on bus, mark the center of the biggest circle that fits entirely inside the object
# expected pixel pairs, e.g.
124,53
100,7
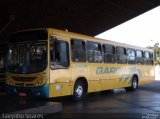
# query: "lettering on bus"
111,70
80,65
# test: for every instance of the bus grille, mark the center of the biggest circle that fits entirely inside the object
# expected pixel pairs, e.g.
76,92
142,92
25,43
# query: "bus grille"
22,84
24,78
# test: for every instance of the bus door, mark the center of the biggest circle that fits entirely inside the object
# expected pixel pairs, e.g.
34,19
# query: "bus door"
60,71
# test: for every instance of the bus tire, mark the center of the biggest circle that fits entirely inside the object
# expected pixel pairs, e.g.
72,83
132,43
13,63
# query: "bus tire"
134,84
79,90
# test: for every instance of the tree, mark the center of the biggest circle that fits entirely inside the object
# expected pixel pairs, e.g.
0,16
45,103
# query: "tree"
156,49
157,53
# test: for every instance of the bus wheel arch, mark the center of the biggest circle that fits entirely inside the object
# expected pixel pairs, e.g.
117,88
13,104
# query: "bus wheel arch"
134,83
80,88
136,77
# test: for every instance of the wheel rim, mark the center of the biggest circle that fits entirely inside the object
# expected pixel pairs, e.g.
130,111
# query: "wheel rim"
134,84
79,91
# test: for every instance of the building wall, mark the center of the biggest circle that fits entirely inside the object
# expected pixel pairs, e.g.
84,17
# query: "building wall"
157,72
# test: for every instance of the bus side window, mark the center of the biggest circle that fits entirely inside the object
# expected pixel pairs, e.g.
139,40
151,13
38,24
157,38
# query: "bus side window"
109,53
121,55
94,52
139,57
147,58
59,55
78,50
51,54
131,56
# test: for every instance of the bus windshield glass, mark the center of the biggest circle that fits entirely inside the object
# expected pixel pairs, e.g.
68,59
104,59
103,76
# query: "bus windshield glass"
27,55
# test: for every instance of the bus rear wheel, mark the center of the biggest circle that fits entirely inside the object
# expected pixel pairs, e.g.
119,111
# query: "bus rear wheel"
134,84
79,90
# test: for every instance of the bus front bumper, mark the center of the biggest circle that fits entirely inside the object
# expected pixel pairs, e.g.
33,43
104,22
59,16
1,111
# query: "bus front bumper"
42,91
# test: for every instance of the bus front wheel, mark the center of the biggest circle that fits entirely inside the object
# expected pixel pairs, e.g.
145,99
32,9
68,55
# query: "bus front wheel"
134,84
79,90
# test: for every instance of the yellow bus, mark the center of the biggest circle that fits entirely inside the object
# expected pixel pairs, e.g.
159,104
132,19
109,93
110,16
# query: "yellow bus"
51,63
3,52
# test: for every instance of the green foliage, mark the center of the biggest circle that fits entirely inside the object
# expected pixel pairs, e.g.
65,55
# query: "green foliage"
157,53
156,49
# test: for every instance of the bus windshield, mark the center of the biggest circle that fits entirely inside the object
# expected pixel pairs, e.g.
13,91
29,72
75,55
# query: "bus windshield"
28,56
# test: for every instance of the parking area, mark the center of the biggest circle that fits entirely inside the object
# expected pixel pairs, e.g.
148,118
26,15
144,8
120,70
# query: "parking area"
27,107
143,103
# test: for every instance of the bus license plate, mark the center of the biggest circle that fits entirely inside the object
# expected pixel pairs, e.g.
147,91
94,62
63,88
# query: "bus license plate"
22,94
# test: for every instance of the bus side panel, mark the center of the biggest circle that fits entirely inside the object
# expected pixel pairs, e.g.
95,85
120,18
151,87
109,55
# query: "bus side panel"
100,78
146,74
87,71
60,82
79,70
60,89
94,78
108,76
125,73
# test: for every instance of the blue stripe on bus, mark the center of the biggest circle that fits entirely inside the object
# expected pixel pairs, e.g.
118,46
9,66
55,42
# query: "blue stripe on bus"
42,91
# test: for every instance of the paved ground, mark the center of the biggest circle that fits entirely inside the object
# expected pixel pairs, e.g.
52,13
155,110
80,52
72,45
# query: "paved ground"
26,107
141,104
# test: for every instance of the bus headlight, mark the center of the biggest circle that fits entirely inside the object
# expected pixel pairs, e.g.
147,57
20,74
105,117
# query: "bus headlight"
39,83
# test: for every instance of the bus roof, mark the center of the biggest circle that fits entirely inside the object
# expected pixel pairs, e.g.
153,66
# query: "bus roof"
85,37
89,38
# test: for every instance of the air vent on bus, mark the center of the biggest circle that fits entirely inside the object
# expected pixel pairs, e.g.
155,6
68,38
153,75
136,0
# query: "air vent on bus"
24,78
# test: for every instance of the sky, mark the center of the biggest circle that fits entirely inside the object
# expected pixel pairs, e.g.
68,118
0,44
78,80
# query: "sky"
143,30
